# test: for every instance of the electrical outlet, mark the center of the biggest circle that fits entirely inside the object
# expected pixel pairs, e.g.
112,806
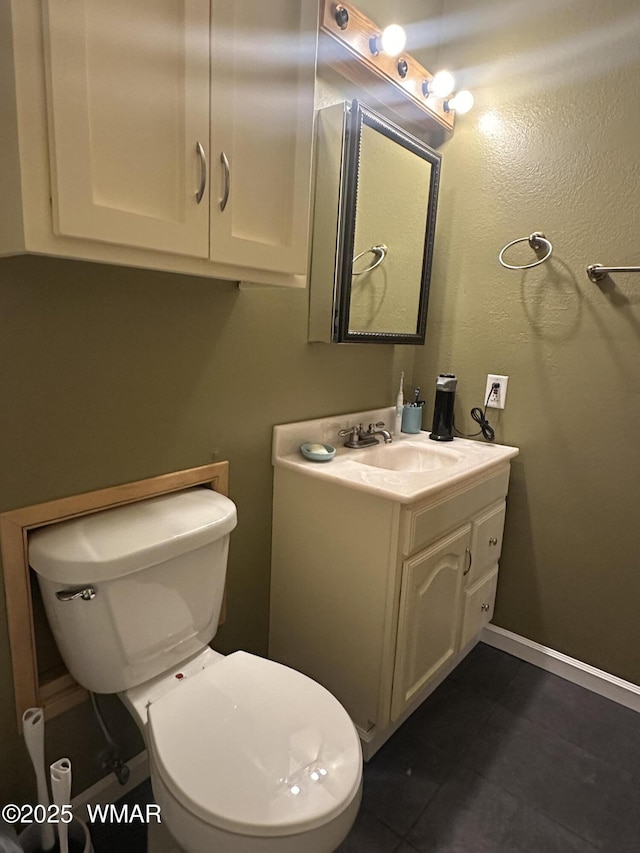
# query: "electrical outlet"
495,398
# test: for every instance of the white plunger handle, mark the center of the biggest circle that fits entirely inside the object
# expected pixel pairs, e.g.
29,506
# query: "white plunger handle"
61,793
33,729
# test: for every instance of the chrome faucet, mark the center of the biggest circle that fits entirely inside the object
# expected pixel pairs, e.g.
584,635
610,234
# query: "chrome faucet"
359,437
377,429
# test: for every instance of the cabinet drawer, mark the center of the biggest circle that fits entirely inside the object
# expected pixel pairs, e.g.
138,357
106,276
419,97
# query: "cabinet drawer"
486,541
421,525
479,601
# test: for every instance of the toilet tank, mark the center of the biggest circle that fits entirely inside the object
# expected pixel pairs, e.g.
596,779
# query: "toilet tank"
156,569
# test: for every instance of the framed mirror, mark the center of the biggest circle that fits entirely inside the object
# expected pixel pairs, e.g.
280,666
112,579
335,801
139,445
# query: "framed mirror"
375,212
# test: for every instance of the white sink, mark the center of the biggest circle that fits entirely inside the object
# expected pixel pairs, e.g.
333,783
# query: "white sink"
410,468
409,455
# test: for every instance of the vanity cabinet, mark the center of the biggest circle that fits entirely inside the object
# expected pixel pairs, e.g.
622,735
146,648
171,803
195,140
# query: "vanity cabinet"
447,596
380,600
168,134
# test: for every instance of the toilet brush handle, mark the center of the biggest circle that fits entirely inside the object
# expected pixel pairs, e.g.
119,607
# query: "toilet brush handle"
61,793
33,730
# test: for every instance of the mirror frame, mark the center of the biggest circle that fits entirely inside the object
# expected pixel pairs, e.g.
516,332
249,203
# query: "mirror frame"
359,116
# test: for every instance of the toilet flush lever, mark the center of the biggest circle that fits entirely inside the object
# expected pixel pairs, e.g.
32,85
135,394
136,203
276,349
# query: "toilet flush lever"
85,593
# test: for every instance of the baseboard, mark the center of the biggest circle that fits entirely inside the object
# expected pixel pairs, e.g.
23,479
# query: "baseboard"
109,790
610,686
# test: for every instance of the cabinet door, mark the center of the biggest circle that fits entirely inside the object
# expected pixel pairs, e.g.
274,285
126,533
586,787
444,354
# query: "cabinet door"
486,541
262,89
128,99
479,600
429,621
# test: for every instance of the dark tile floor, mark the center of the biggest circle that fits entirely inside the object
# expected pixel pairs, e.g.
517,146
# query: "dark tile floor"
502,758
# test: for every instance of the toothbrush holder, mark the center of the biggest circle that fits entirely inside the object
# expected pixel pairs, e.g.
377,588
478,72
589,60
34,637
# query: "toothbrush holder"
412,419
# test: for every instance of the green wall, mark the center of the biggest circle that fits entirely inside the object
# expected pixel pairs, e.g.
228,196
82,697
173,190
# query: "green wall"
110,375
552,145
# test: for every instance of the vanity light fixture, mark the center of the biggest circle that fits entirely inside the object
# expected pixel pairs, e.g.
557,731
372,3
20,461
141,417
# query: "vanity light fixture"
441,84
391,42
375,60
461,102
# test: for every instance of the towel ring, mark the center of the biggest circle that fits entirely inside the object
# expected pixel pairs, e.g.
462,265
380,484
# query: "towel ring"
380,252
535,240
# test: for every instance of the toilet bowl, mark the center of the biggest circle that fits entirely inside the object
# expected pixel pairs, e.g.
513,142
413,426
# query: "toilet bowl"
291,756
246,755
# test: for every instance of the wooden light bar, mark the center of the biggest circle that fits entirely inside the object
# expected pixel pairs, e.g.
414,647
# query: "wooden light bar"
351,56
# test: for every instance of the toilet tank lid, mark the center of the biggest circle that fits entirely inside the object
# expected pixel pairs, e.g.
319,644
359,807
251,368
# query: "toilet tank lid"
118,541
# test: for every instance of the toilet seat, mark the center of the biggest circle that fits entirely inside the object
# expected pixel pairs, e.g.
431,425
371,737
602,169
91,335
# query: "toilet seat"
291,754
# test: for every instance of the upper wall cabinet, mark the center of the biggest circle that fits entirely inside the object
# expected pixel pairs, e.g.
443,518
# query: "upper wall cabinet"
169,134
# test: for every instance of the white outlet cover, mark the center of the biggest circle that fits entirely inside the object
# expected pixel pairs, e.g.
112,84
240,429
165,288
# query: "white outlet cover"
503,381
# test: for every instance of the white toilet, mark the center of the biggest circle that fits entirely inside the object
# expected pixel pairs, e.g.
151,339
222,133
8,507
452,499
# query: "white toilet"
246,755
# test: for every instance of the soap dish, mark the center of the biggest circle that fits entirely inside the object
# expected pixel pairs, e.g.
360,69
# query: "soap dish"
309,453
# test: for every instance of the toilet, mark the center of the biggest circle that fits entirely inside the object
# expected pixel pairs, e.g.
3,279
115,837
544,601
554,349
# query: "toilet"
245,755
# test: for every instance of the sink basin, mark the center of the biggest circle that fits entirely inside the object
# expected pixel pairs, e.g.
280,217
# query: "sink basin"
409,456
411,468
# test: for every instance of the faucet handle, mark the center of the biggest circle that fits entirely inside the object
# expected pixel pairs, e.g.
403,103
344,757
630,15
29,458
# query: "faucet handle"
376,426
353,431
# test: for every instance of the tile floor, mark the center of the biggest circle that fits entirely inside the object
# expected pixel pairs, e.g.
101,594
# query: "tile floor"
502,758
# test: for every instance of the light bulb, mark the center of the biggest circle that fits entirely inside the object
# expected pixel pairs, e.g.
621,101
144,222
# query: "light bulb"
441,84
461,102
392,40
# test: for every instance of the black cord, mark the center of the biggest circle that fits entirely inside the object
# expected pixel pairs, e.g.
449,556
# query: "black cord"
479,416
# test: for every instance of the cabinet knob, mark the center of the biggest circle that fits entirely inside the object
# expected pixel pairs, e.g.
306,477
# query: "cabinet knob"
493,541
485,608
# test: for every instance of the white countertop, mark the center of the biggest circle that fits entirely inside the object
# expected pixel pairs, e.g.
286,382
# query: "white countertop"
465,459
